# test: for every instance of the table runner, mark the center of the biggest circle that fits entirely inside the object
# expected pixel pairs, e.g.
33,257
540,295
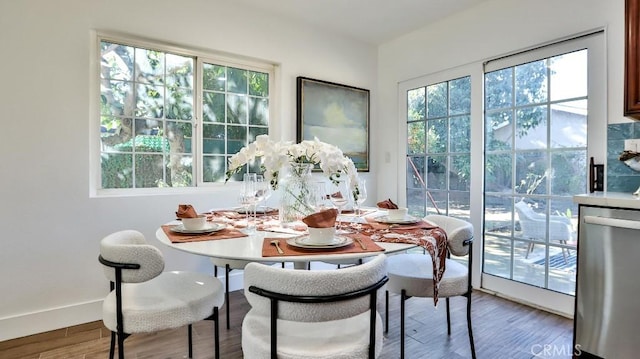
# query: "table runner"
423,233
269,250
182,238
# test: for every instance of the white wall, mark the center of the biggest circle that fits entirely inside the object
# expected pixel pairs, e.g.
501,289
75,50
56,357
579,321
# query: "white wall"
51,227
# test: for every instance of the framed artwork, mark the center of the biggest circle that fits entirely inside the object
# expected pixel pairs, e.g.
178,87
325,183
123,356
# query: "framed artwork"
336,114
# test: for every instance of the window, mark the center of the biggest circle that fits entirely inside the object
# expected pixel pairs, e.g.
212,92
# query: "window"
438,148
172,118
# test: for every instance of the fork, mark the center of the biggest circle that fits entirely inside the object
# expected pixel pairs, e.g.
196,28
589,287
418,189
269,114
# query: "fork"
276,243
361,243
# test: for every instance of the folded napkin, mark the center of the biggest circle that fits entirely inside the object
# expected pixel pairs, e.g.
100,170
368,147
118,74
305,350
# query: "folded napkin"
322,219
388,204
186,211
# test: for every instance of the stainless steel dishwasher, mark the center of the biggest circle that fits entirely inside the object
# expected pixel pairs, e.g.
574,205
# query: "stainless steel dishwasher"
607,315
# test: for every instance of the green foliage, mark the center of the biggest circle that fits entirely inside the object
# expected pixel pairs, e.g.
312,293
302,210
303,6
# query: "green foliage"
439,129
151,92
505,89
117,168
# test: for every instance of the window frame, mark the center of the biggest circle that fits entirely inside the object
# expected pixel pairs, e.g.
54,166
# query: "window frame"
199,56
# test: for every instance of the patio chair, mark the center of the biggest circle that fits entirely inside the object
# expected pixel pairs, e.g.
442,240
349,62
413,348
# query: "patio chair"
313,313
411,274
533,226
146,299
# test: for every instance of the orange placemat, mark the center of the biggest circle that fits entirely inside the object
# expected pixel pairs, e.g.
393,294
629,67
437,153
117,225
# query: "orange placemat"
269,250
221,234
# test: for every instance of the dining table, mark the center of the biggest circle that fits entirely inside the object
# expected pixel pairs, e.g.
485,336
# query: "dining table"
257,246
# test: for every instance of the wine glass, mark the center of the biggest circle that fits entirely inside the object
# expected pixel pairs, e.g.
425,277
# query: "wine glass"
248,198
320,197
359,195
338,192
263,190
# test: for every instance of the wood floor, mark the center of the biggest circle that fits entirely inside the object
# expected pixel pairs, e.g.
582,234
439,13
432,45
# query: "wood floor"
502,329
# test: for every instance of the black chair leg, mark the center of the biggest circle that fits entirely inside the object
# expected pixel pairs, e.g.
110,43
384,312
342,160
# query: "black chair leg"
190,335
403,297
448,318
226,291
386,311
216,332
473,347
112,346
120,345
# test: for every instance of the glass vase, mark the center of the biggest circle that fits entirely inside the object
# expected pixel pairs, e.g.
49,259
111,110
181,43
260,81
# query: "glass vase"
298,194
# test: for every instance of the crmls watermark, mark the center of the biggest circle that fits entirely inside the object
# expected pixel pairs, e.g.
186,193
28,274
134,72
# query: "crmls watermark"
554,350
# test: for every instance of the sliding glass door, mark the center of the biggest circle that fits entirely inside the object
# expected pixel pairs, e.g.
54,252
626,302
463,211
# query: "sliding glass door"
505,145
538,110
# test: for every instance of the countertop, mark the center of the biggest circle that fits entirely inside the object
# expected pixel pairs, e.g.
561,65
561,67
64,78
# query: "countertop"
609,199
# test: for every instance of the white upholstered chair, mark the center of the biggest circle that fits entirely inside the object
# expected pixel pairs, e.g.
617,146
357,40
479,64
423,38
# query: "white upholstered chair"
411,274
302,314
145,299
534,227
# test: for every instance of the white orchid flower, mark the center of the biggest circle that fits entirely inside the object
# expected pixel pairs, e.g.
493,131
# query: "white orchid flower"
275,155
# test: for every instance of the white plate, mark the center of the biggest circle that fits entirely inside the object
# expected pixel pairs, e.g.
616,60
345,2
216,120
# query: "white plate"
208,228
303,242
405,220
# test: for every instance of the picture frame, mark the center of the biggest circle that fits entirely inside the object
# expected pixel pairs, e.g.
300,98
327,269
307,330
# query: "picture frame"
336,114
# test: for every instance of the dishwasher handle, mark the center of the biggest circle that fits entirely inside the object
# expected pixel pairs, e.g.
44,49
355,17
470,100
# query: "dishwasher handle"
612,222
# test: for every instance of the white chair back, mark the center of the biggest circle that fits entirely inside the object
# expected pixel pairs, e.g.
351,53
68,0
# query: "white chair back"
130,246
458,231
313,282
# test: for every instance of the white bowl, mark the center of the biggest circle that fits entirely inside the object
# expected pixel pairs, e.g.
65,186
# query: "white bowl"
397,214
321,235
194,224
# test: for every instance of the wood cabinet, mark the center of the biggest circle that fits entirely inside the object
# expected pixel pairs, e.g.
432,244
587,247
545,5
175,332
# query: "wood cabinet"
632,59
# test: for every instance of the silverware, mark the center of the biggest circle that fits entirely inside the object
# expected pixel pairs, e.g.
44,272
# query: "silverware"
361,243
276,243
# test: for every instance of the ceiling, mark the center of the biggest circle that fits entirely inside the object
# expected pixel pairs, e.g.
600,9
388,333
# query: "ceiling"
371,21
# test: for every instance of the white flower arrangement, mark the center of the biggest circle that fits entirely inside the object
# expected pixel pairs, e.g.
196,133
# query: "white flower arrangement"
333,163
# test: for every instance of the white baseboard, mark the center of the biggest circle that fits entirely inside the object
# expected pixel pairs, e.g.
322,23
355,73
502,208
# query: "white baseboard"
43,321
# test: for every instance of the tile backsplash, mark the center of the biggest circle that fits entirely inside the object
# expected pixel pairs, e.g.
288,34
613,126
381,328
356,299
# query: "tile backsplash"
621,178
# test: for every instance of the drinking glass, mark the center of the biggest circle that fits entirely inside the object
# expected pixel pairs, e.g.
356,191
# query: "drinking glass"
338,192
263,190
359,196
248,199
